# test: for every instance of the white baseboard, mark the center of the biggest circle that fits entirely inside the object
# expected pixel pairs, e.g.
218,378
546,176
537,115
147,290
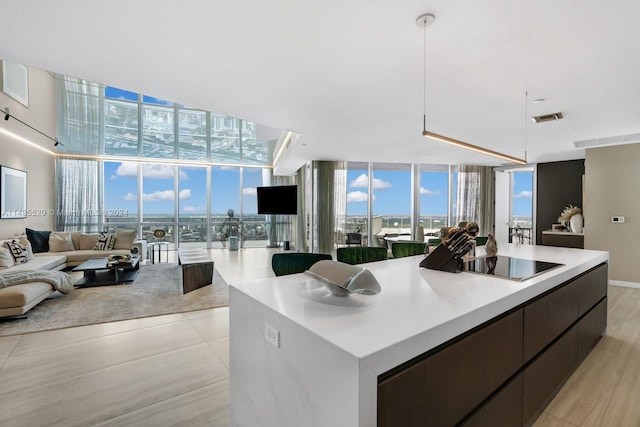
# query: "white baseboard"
624,284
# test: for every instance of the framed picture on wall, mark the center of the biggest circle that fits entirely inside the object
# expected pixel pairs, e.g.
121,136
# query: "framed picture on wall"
15,81
13,193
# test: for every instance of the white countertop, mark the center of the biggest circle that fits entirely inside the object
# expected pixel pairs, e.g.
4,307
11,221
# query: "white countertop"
418,309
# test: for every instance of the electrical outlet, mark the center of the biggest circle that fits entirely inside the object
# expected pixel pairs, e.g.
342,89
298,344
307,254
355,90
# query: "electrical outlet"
617,219
272,335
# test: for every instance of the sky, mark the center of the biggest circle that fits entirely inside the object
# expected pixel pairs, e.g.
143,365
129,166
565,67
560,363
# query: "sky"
158,192
522,193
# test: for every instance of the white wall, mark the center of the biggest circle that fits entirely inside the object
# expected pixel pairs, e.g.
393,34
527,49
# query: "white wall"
40,166
612,177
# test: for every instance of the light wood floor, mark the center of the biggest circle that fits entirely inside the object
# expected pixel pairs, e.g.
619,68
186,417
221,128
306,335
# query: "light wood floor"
174,370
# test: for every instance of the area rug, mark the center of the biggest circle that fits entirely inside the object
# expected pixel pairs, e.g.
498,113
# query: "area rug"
157,290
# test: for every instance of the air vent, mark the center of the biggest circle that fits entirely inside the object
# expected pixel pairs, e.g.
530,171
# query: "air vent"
547,118
631,138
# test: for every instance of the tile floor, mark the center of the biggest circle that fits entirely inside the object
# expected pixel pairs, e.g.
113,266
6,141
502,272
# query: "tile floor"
174,369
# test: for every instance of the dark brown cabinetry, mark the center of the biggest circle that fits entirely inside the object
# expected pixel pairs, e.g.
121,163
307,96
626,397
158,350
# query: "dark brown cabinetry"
506,370
447,385
565,240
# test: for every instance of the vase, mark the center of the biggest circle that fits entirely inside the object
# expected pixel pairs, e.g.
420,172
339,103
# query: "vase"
577,223
491,247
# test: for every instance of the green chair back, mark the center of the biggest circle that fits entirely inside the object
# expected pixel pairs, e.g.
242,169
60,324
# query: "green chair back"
295,262
403,249
360,254
481,240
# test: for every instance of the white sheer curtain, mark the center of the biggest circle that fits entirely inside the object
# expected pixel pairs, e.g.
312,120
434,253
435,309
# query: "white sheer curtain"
301,237
330,202
77,183
80,116
476,196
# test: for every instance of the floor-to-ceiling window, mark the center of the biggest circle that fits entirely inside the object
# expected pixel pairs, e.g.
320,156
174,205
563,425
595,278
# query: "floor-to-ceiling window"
158,201
434,197
192,206
192,134
357,216
225,204
254,228
188,168
120,194
521,216
121,118
391,185
390,207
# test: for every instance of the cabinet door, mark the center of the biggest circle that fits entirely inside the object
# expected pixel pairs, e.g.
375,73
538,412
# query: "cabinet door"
592,287
419,394
545,375
548,317
590,329
503,410
486,359
445,387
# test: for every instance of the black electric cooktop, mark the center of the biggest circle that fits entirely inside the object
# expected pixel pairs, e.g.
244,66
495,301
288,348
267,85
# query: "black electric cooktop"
508,267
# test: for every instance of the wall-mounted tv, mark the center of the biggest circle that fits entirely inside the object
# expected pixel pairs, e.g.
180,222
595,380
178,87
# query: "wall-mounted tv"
278,200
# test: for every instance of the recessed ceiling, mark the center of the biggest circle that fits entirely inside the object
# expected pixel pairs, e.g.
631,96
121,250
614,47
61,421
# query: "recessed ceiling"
348,76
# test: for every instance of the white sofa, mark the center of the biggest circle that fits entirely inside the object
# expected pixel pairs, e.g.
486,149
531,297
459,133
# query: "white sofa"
17,300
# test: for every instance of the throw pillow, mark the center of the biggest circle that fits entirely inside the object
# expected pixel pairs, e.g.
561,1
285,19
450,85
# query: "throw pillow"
6,259
125,238
75,238
105,242
18,252
39,240
87,241
22,239
60,242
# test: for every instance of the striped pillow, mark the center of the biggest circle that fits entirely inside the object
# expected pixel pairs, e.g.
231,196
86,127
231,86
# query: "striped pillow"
18,251
105,242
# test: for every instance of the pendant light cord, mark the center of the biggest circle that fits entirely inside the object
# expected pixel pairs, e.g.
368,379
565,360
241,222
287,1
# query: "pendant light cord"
424,82
526,121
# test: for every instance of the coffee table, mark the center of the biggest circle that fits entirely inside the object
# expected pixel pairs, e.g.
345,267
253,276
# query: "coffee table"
98,273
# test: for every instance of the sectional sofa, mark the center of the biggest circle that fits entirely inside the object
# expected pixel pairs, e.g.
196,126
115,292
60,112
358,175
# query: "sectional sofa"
55,251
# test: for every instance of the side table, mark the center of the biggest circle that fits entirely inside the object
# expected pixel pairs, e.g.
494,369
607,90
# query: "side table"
156,247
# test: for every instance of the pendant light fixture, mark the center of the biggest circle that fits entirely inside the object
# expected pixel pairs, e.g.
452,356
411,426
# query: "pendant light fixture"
424,21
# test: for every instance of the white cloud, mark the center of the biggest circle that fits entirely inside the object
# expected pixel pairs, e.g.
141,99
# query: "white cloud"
127,169
523,195
113,177
194,209
250,191
159,196
149,170
379,184
357,196
360,182
427,192
363,181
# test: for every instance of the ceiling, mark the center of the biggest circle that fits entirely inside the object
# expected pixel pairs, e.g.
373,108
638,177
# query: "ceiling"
347,76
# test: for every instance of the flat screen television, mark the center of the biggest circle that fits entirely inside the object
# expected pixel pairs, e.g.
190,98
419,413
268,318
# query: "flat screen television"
278,200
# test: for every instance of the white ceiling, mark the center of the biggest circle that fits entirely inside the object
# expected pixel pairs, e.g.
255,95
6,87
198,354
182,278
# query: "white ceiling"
347,75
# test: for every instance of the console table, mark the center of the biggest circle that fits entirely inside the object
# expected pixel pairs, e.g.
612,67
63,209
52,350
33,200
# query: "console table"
564,239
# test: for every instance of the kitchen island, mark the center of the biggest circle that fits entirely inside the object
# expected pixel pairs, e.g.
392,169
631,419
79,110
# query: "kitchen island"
432,348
